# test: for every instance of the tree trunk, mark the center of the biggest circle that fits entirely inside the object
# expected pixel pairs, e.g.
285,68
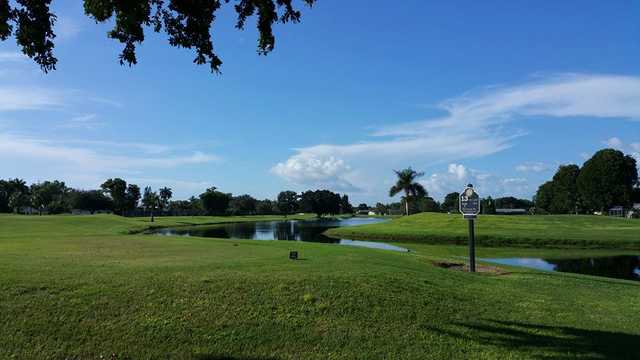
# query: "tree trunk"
152,219
406,205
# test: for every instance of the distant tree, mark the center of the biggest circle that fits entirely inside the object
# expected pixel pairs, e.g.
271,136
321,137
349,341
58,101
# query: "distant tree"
165,194
381,209
92,200
187,24
363,207
396,208
5,193
565,190
132,197
320,202
10,187
607,179
38,202
450,202
488,206
196,203
510,202
266,207
406,183
151,201
180,205
428,204
288,202
345,205
117,191
215,202
15,194
50,195
191,206
242,205
18,200
544,197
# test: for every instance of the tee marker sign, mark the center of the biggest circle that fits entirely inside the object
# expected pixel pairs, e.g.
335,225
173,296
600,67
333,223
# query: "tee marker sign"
469,203
470,208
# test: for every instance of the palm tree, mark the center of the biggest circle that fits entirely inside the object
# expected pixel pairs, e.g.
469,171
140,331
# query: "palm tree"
406,182
165,195
151,201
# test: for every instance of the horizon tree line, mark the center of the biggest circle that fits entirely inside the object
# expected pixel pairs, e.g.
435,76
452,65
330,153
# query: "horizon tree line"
125,199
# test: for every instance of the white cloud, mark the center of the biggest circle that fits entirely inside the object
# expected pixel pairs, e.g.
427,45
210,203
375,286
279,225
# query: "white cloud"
38,159
10,56
533,167
458,176
459,171
101,144
306,169
105,101
87,121
475,125
66,28
632,149
29,98
614,142
21,98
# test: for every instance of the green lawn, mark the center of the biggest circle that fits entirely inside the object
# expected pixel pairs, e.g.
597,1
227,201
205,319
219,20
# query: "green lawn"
82,288
493,230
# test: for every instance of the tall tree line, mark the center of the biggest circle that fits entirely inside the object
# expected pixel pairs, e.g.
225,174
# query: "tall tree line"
609,178
122,198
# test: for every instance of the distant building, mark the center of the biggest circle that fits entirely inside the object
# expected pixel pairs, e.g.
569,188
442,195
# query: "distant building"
511,212
28,210
617,211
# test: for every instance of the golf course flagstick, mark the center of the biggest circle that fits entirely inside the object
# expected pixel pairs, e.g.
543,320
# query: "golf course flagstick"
470,208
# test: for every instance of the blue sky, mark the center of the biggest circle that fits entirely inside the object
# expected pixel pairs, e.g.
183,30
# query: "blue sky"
498,94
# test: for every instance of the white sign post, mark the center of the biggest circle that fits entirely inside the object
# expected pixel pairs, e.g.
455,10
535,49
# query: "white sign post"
470,208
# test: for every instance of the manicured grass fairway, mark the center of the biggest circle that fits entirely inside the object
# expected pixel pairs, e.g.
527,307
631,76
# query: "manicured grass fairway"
79,287
492,230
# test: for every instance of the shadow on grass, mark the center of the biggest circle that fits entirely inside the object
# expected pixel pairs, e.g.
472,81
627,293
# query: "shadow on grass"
229,357
581,277
550,342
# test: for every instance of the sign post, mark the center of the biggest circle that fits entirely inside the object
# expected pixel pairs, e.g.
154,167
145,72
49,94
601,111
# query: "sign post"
470,208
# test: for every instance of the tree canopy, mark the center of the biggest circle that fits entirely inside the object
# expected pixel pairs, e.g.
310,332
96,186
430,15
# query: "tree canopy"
287,202
609,178
187,23
320,202
215,202
560,195
450,202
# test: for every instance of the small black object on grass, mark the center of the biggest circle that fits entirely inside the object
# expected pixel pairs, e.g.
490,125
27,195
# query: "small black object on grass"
293,255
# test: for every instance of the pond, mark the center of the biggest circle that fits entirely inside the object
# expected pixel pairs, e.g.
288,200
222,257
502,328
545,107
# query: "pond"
618,267
293,230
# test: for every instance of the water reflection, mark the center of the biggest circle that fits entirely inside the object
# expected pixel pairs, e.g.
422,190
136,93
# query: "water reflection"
293,230
618,267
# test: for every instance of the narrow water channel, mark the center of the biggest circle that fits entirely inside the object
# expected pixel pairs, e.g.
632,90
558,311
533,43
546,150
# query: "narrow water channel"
618,267
292,230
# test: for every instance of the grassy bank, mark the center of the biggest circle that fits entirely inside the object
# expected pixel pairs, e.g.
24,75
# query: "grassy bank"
79,288
493,230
